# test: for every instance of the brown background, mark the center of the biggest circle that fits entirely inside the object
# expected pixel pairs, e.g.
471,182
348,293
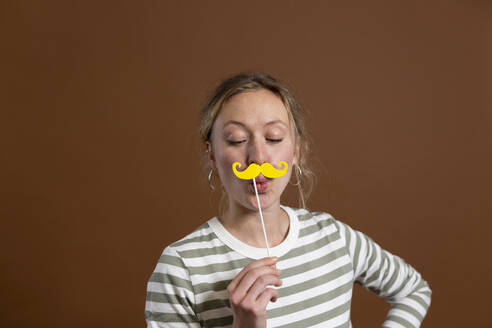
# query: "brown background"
100,156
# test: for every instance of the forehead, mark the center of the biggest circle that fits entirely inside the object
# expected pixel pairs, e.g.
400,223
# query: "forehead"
253,108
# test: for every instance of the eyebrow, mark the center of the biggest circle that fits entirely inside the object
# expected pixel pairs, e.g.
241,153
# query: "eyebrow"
244,126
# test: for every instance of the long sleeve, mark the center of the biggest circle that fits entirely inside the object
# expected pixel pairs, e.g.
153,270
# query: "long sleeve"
170,298
390,277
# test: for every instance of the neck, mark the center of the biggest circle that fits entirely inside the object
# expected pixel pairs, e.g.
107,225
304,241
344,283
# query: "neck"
245,224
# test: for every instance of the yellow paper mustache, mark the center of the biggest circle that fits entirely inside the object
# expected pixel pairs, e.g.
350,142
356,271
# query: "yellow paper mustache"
253,170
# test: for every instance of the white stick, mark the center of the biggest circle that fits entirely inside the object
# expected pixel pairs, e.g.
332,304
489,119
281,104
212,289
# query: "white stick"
261,217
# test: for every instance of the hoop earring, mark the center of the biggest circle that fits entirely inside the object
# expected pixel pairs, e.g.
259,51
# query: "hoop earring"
210,178
298,174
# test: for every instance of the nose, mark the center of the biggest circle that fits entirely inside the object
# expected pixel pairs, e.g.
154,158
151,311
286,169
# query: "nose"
257,153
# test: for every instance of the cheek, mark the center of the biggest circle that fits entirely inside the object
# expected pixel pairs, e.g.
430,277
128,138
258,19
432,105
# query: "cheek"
227,160
225,166
286,154
229,157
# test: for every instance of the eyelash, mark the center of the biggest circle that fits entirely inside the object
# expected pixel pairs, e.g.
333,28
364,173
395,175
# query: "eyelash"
235,143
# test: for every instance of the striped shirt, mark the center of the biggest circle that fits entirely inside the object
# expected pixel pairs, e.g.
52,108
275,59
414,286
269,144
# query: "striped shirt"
320,259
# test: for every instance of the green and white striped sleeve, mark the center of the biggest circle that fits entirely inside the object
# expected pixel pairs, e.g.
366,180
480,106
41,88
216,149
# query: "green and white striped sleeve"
390,277
170,298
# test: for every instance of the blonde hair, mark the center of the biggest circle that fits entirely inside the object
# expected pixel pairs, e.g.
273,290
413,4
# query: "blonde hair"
253,81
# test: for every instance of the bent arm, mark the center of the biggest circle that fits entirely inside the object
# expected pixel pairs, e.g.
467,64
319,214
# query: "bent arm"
390,277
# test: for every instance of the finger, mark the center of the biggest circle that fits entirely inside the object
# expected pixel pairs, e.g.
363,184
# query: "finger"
268,295
260,285
249,279
265,261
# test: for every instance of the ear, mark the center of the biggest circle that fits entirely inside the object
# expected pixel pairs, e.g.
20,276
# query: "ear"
210,154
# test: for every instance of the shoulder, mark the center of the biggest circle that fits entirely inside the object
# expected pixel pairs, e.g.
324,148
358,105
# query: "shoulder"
322,219
200,234
200,242
311,220
314,224
172,259
306,215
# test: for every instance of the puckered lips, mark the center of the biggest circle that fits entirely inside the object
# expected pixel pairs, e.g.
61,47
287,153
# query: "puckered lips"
261,184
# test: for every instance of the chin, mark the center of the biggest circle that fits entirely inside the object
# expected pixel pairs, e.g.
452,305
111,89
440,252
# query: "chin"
266,200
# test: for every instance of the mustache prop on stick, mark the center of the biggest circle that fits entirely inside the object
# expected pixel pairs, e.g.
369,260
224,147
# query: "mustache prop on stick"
251,172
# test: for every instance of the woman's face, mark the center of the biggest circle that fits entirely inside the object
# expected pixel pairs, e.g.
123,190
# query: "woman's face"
252,127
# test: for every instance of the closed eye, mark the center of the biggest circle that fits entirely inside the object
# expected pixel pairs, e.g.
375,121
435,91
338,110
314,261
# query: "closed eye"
274,140
231,142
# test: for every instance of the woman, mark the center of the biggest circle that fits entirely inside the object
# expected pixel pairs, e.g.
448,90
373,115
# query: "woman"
219,275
